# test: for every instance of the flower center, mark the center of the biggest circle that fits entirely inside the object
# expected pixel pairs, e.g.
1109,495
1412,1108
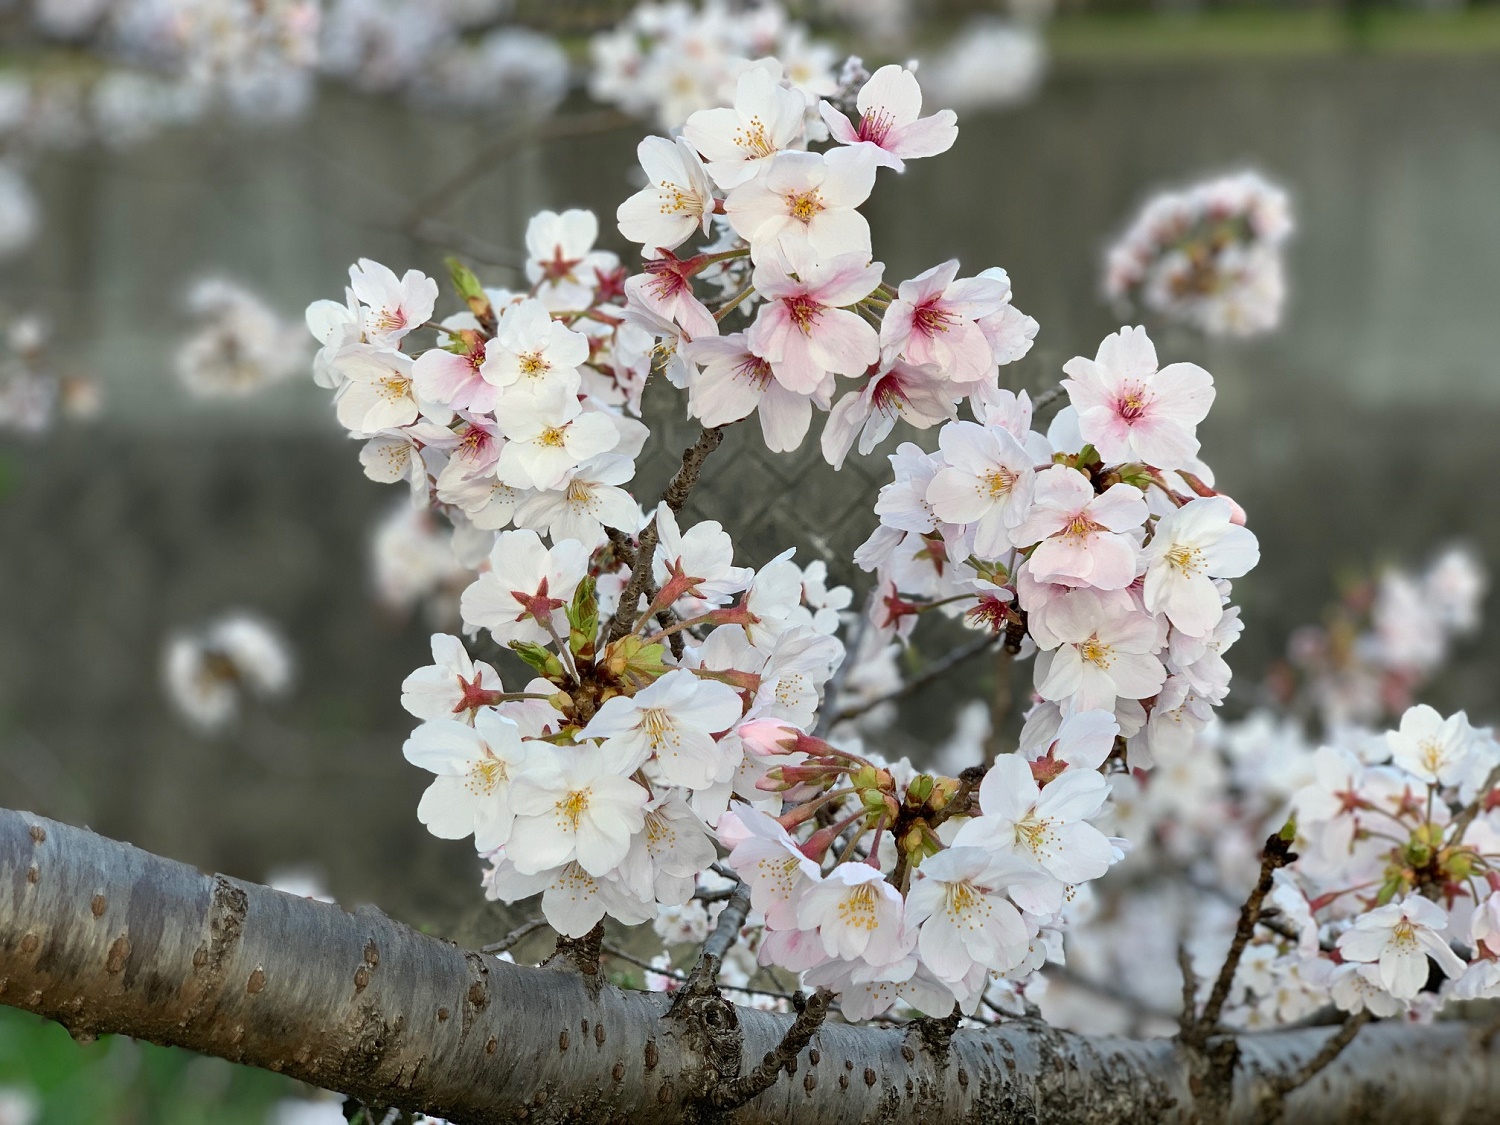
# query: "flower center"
755,370
1081,527
754,140
997,482
533,365
875,126
554,437
931,318
1187,560
857,909
1132,403
571,808
485,775
1096,652
803,311
656,722
805,205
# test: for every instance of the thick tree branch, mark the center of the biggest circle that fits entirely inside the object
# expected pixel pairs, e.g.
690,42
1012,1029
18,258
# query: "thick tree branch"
105,938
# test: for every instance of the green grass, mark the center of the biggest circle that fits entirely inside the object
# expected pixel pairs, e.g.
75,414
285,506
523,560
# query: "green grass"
118,1081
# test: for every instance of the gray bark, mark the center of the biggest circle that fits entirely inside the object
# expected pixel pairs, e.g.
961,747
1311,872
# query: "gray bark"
105,938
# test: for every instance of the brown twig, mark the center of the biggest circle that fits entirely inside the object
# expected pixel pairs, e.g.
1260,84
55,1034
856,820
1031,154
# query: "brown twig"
737,1091
514,936
674,496
1276,854
1273,1099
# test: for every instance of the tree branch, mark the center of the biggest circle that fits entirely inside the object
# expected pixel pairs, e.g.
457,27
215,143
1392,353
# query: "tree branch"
107,939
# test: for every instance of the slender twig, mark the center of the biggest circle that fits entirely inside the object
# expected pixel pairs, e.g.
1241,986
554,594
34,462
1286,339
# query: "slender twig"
705,974
1046,398
1276,854
737,1091
936,670
619,954
514,936
1187,1020
674,496
1284,1084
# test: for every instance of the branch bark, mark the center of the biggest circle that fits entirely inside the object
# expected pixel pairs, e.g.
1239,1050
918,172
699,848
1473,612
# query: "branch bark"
105,938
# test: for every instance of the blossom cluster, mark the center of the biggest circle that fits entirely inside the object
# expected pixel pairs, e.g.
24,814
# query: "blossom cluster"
793,255
1397,844
210,670
1209,256
1383,641
667,61
1101,544
240,345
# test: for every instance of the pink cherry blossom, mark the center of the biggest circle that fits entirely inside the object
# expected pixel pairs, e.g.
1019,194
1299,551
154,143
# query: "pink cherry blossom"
920,396
891,121
1082,536
934,320
802,330
1130,411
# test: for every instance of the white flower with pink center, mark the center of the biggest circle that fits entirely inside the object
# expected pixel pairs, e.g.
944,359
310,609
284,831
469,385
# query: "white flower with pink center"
986,481
733,383
669,294
803,330
920,396
806,197
765,855
1104,653
1083,537
736,143
934,319
396,305
891,121
458,378
1130,411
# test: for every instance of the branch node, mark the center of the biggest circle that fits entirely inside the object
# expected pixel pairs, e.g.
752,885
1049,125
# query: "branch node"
736,1092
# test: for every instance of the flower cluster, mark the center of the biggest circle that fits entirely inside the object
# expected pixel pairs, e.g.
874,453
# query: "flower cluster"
1397,844
1383,641
1209,256
207,671
674,697
667,61
793,257
32,393
1101,543
240,346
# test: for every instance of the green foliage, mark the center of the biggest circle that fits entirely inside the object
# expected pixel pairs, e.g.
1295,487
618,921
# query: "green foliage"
117,1081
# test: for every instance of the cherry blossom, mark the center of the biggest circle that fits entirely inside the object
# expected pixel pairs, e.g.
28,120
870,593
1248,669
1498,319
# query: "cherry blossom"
1129,410
453,686
476,768
1081,536
736,143
672,722
523,594
377,389
588,501
857,914
574,804
1048,825
987,480
802,331
934,319
891,121
677,201
806,198
1400,937
395,305
1190,547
